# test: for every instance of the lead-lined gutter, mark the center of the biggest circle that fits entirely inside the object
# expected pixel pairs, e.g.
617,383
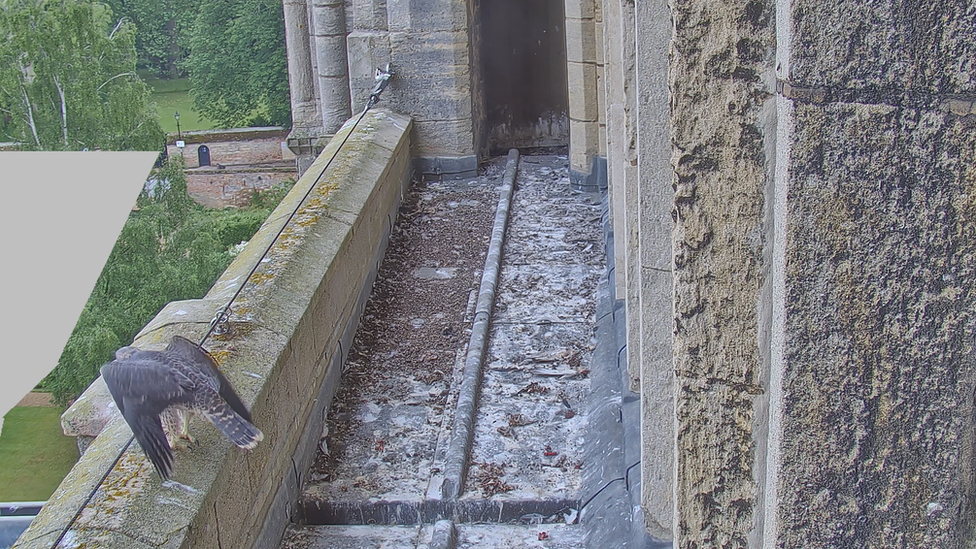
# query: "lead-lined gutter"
462,434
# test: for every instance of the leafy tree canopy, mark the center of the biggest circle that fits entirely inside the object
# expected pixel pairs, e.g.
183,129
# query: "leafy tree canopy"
68,81
164,27
237,63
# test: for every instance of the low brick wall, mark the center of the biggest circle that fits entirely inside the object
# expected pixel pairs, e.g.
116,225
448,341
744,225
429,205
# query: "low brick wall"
258,150
289,329
222,188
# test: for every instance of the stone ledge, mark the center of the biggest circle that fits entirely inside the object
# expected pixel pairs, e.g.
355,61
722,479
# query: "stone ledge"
286,329
233,134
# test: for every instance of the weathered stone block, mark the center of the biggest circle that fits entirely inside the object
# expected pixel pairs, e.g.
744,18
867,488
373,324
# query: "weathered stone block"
583,145
601,98
433,52
368,15
580,9
886,47
367,51
427,15
584,104
432,96
443,138
878,385
581,41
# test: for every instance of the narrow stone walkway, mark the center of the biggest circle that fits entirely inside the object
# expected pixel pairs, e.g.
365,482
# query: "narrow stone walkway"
377,478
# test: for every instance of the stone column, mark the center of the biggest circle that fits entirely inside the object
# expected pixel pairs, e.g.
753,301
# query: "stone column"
300,78
722,135
305,103
654,285
329,20
584,96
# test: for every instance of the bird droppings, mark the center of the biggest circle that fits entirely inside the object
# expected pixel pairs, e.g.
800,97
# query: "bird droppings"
390,422
176,485
399,372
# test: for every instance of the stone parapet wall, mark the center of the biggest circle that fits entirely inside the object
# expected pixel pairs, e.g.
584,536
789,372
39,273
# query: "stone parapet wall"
289,329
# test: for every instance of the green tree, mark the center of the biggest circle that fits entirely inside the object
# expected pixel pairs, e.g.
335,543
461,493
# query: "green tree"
68,81
163,28
237,63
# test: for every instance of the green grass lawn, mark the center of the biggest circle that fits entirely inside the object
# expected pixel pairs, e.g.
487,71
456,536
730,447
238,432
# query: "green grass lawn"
173,96
34,453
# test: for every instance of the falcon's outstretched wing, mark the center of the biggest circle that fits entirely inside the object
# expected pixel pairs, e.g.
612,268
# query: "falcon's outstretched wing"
143,386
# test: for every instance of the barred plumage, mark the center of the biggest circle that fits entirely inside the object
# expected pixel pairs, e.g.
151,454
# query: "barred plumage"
153,387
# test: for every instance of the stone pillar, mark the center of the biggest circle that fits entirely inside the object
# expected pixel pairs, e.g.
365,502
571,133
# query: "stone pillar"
723,135
305,104
615,68
873,366
586,167
620,146
329,21
300,78
654,286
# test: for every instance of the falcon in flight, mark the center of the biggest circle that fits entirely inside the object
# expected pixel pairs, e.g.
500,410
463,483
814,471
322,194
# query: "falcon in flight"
153,387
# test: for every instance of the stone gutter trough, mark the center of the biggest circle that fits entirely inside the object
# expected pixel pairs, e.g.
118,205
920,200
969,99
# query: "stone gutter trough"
288,333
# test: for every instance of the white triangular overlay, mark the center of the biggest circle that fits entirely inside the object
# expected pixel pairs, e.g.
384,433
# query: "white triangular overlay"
60,214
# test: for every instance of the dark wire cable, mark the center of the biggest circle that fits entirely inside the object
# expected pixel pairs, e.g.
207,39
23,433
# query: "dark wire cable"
224,312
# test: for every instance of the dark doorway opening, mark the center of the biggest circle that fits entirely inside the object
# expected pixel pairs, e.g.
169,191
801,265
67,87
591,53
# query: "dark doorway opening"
523,62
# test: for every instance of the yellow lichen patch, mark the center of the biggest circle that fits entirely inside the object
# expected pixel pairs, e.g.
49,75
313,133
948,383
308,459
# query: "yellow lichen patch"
258,279
129,478
220,356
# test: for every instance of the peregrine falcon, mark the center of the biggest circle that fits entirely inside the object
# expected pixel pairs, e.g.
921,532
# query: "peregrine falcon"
152,387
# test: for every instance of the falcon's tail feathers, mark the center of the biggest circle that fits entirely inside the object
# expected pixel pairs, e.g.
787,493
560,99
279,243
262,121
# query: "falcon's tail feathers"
239,430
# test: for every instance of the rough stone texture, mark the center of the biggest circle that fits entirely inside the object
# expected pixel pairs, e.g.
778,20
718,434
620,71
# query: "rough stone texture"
901,46
628,171
422,16
367,51
878,390
367,15
583,98
436,138
583,145
432,84
284,330
655,196
214,188
720,261
614,83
